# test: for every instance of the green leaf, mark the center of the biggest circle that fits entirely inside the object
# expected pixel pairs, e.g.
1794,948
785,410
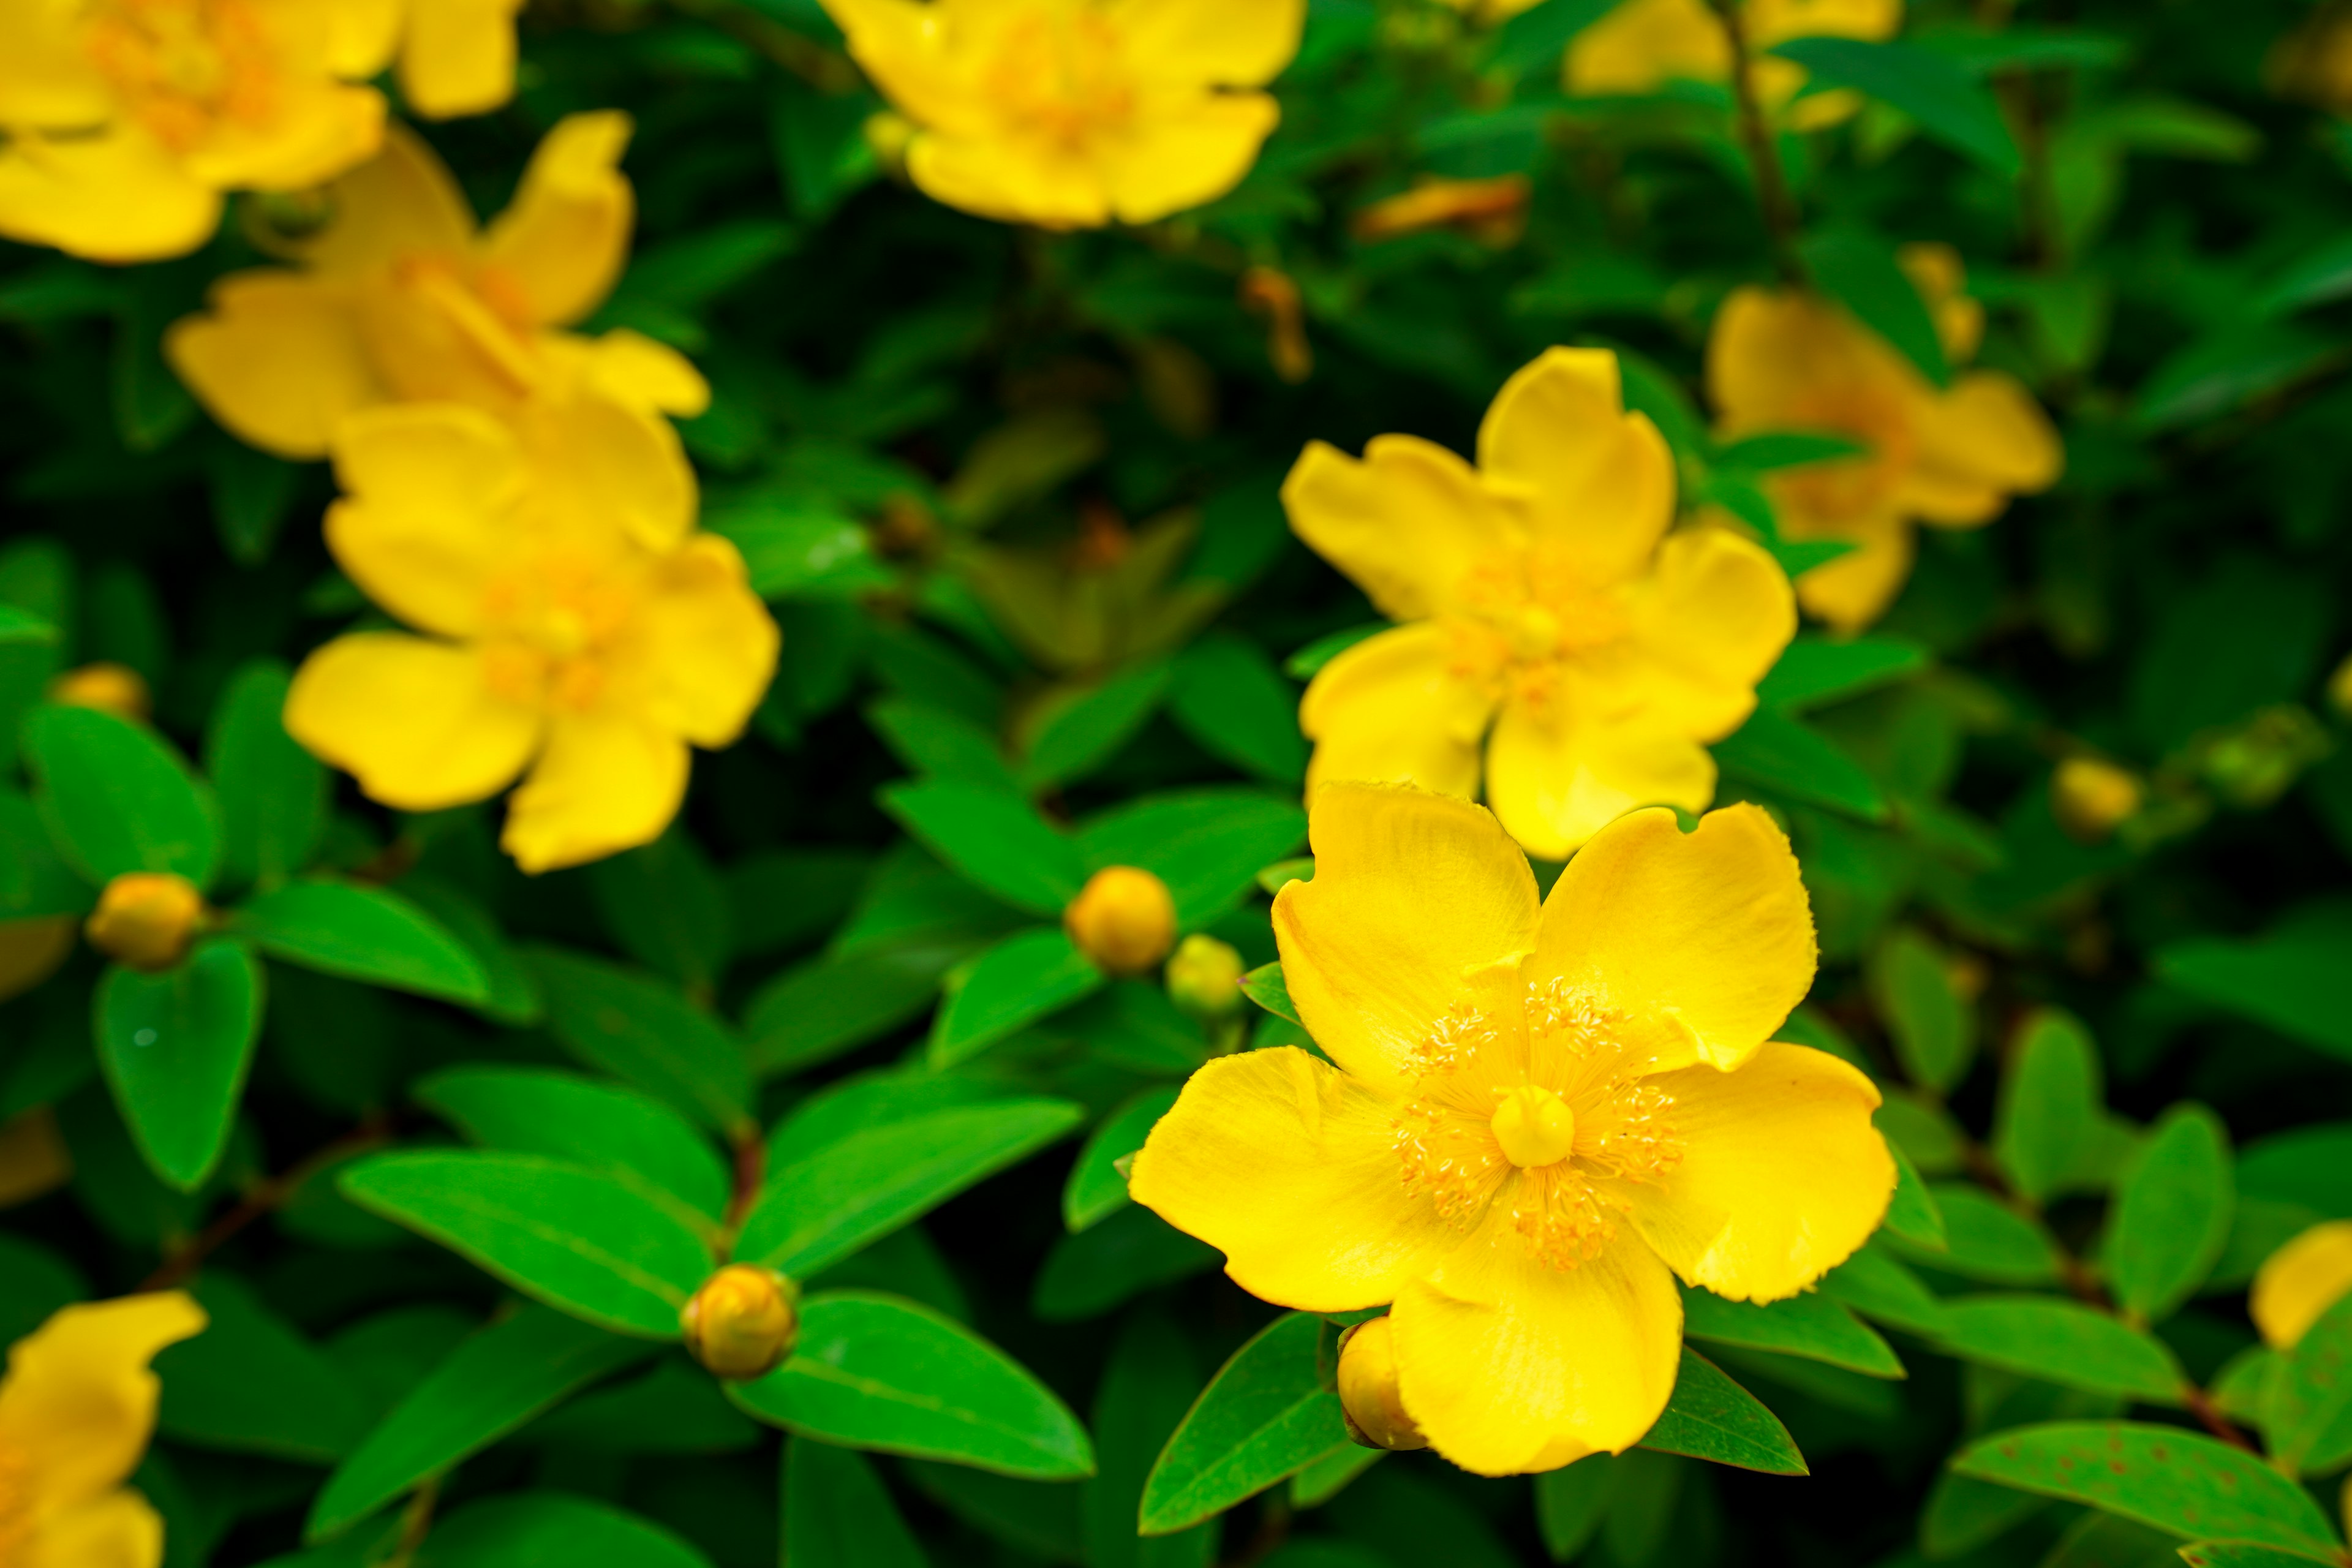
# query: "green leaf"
1933,1029
1914,1215
1304,664
815,1010
492,1385
119,798
1320,1482
1948,103
2291,978
943,746
21,625
2180,1481
1029,975
514,997
1133,1251
35,879
1859,270
592,1246
666,907
1814,1326
1097,1188
1147,1384
874,1372
788,553
604,1128
273,794
1271,1411
1132,1023
645,1033
1815,670
1080,728
1776,752
175,1047
251,1384
2065,1343
1711,1417
1534,40
2230,369
1228,695
2311,1395
1570,1503
838,1514
2051,1103
551,1529
1983,1239
2172,1213
1265,986
1875,1285
1207,845
1778,449
362,933
995,841
828,1203
2245,1555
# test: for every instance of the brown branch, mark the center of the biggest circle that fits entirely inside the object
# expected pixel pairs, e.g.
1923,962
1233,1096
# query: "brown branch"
265,1198
2200,1404
1772,196
750,1174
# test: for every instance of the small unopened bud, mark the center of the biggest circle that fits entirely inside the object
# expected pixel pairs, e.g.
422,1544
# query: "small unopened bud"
743,1322
887,137
2258,761
2092,798
1204,978
1123,918
146,920
115,689
1268,292
2339,689
1493,212
1368,1400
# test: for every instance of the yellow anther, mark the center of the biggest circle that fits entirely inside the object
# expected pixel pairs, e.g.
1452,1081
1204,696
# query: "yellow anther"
1535,1127
1535,632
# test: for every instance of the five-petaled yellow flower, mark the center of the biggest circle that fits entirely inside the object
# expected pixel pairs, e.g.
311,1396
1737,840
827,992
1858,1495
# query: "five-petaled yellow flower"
1543,597
122,122
399,299
579,627
1070,113
1542,1114
1638,47
76,1411
1949,457
450,57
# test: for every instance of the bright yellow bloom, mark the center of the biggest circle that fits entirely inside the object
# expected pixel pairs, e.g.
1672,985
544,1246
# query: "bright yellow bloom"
122,122
2297,1284
76,1411
450,57
578,625
1951,456
1541,1113
1069,113
1542,596
1640,46
400,298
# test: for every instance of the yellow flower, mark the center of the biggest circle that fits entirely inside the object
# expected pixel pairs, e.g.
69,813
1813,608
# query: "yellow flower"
1640,46
1069,113
1951,457
400,298
450,57
1124,918
1493,212
76,1411
2092,797
743,1322
1542,596
122,122
1542,1114
2297,1284
110,687
578,625
146,920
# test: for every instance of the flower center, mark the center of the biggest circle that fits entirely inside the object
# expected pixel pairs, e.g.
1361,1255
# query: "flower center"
552,627
1534,1126
182,65
1525,617
1057,73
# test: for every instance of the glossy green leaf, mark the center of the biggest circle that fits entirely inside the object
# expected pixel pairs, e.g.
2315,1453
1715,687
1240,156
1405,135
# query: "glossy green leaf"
1812,1326
1147,1386
1228,695
1781,754
1265,986
273,794
1711,1417
2065,1343
1933,1027
838,1514
552,1530
362,933
2172,1213
1860,271
1813,671
1030,976
251,1384
592,1246
2051,1100
815,1010
994,840
1984,1240
1079,730
1207,845
21,625
665,904
614,1131
175,1047
119,798
1097,1187
2310,1395
2246,1554
1948,103
1570,1503
1133,1251
1270,1411
645,1033
944,747
2290,978
874,1372
1875,1285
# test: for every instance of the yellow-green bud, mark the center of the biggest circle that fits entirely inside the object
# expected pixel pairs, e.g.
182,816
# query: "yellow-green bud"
115,689
1123,918
145,920
2339,689
2254,763
1204,978
743,1322
1368,1400
2092,798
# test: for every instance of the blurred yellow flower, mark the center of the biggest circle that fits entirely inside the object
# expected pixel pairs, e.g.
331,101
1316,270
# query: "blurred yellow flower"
1542,1114
1070,113
1543,597
578,625
1640,46
2312,63
400,298
110,687
450,57
1493,212
34,1160
122,122
1951,456
76,1409
2297,1284
33,950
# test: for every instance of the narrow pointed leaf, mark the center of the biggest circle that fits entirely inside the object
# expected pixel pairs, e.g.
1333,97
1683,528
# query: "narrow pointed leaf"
1270,1412
2176,1480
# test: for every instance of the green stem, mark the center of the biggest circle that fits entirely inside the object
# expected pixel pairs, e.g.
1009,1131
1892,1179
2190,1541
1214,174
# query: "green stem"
1772,196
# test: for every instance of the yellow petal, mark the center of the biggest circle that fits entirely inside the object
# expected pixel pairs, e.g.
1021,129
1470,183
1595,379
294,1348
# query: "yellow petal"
414,721
365,34
1184,154
1556,780
429,488
1412,893
1290,1170
1784,361
78,1402
46,77
605,782
601,469
458,56
1709,624
2296,1285
1854,589
1703,940
1508,1365
278,359
1012,180
1602,480
704,645
1639,47
119,1530
116,196
630,368
403,202
1408,522
1980,443
1393,709
1192,43
562,243
913,53
1781,1177
318,130
33,1159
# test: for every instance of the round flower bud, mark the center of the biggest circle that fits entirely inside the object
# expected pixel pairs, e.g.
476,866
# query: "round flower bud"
2092,798
1368,1389
115,689
743,1322
1204,978
1123,918
145,920
2339,689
